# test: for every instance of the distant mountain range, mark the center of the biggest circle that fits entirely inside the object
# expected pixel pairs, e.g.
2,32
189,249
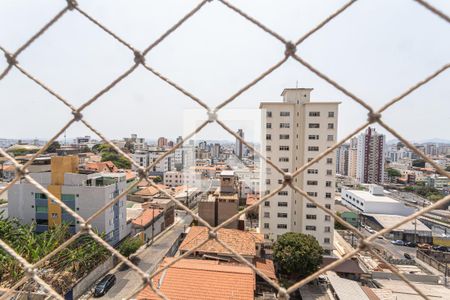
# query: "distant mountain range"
427,141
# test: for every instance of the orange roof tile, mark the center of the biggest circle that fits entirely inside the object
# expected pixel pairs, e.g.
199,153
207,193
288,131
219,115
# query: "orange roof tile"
193,279
251,199
243,242
105,166
266,267
129,175
146,217
150,190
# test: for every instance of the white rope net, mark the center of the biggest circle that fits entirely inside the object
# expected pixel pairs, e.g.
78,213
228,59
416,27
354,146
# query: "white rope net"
211,116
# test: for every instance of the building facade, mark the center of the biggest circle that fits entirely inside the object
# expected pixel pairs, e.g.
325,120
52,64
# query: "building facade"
84,193
294,132
370,157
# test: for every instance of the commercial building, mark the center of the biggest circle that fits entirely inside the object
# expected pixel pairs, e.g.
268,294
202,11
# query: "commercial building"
84,193
223,203
294,132
374,201
353,157
239,146
370,157
411,231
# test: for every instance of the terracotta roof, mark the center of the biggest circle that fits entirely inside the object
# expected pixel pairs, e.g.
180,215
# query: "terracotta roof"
266,267
243,242
150,190
193,279
105,166
147,216
129,175
251,199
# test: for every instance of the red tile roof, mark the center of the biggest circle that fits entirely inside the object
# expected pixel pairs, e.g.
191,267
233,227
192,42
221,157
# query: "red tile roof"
105,166
150,190
147,216
243,242
251,199
193,279
266,267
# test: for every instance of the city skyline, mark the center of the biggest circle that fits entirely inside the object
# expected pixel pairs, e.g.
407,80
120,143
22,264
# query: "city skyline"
404,31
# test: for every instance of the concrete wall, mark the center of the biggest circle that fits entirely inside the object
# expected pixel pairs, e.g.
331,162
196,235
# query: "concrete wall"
85,283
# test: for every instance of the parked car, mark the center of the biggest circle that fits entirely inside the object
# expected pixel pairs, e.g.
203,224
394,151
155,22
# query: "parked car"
410,244
407,256
398,243
440,248
104,285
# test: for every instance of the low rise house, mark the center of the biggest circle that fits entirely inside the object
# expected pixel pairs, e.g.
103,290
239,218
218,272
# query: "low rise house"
148,224
193,279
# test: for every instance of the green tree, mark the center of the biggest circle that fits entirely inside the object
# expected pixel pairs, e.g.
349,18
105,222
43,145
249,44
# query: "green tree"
130,246
338,225
53,147
110,154
393,173
447,169
157,179
419,163
297,255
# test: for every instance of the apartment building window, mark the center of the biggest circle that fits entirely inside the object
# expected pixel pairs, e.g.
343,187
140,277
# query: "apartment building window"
285,125
284,148
328,183
329,161
282,226
284,136
282,204
283,193
328,195
313,137
326,240
269,148
310,227
314,125
267,181
328,206
331,114
267,215
327,229
269,114
311,217
41,209
330,138
311,182
282,215
285,170
283,159
268,137
330,125
266,225
40,196
313,171
329,172
310,205
314,113
280,181
284,114
313,148
312,194
310,159
268,125
327,218
267,203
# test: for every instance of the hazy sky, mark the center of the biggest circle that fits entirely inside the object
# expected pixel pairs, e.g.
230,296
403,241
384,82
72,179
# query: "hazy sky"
376,49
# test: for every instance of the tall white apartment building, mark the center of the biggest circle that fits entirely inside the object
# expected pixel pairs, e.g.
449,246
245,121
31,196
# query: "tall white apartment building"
294,132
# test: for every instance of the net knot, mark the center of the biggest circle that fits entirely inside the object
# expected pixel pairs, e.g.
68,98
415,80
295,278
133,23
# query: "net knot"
290,49
373,117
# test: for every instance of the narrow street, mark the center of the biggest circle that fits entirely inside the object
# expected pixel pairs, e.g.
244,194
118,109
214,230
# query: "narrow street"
129,282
